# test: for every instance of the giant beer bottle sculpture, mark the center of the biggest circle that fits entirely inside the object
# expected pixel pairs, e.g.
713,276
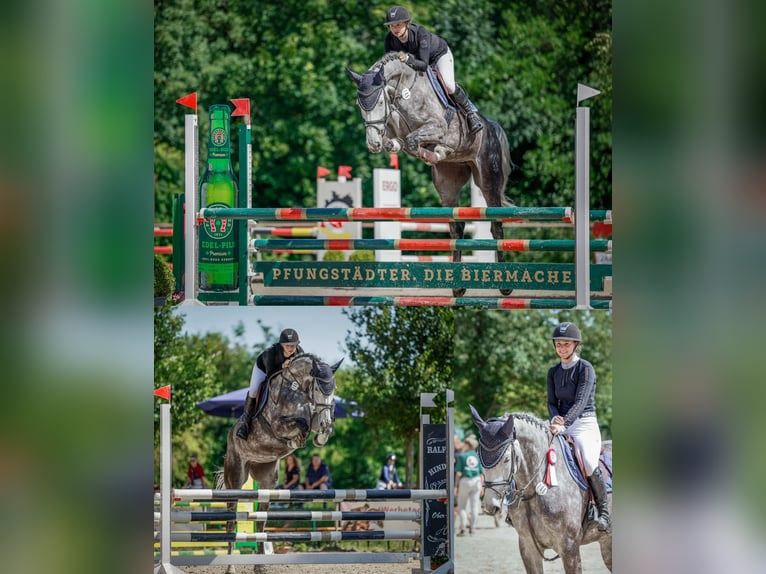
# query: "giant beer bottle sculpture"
218,261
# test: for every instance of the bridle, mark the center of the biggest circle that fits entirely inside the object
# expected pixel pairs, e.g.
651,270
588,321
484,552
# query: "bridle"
313,390
507,487
389,106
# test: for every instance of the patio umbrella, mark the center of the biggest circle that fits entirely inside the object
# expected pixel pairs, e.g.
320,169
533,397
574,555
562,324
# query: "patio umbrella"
232,405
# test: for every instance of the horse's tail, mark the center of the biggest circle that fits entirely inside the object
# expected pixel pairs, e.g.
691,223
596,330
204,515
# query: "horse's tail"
219,482
507,164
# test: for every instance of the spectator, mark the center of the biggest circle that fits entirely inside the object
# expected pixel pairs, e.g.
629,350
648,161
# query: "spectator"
468,472
389,478
292,473
317,475
195,474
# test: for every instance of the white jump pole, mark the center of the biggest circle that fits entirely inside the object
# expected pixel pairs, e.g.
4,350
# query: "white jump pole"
166,490
191,146
582,199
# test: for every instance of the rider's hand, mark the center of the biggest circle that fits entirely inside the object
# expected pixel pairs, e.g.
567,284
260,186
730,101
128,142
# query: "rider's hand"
558,420
403,56
556,429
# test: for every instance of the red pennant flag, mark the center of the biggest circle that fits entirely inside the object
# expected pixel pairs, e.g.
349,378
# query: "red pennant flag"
322,171
189,101
344,171
241,107
394,161
163,392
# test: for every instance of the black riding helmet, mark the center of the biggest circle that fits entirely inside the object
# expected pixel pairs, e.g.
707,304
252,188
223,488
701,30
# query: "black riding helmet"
567,332
289,337
397,15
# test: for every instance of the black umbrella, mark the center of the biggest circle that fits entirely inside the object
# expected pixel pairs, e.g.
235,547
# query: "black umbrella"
232,405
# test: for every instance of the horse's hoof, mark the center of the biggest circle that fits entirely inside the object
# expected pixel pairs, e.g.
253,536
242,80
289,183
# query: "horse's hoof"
506,292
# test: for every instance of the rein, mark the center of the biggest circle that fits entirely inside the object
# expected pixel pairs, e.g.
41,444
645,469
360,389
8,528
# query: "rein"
507,485
290,378
390,106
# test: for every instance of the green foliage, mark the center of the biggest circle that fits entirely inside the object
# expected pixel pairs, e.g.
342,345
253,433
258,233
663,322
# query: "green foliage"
164,282
334,256
362,255
502,361
399,353
520,63
197,368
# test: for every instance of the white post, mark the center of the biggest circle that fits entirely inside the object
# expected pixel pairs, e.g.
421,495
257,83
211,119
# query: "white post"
483,228
582,199
166,489
191,146
387,192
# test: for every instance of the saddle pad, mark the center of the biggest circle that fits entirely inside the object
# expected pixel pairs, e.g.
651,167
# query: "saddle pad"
439,89
605,463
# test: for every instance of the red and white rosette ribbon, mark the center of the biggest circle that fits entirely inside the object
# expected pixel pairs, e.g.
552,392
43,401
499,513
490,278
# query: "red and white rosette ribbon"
550,473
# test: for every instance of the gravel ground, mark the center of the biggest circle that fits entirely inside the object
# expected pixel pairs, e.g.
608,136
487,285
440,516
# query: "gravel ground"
491,550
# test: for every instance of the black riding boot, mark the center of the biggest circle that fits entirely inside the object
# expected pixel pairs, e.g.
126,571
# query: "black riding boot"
596,482
471,112
247,416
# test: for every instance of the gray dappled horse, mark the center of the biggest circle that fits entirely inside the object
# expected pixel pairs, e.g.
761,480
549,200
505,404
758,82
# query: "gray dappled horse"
402,112
300,400
513,454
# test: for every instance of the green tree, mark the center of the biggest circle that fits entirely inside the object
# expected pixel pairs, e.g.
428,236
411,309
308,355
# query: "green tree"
197,367
520,62
399,353
502,361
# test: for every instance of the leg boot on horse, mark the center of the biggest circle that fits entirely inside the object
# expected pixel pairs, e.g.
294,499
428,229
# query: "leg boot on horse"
596,482
244,430
471,112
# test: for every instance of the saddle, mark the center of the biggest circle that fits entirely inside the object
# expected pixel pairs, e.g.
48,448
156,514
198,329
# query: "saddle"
576,468
441,91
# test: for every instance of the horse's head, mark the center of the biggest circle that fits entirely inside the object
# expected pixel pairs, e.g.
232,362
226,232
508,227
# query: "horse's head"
373,99
498,461
323,399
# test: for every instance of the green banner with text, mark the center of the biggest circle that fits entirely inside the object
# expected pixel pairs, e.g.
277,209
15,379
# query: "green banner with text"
427,275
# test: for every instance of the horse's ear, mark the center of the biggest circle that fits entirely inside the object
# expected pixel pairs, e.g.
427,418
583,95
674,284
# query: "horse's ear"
336,365
507,429
476,418
379,78
353,75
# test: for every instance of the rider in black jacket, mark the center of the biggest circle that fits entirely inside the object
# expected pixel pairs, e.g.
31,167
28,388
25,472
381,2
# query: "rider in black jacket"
273,359
419,48
572,408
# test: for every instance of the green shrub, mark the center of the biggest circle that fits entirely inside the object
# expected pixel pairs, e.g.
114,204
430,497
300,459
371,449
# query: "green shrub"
164,282
334,256
362,255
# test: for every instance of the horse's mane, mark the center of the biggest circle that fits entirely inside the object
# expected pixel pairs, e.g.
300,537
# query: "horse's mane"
387,58
530,419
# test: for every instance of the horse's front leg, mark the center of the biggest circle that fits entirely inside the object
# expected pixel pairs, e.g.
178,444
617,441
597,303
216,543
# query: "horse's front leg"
424,134
570,557
530,555
392,145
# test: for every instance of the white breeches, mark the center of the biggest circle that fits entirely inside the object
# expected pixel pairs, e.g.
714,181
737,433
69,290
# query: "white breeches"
446,67
587,437
256,379
469,500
